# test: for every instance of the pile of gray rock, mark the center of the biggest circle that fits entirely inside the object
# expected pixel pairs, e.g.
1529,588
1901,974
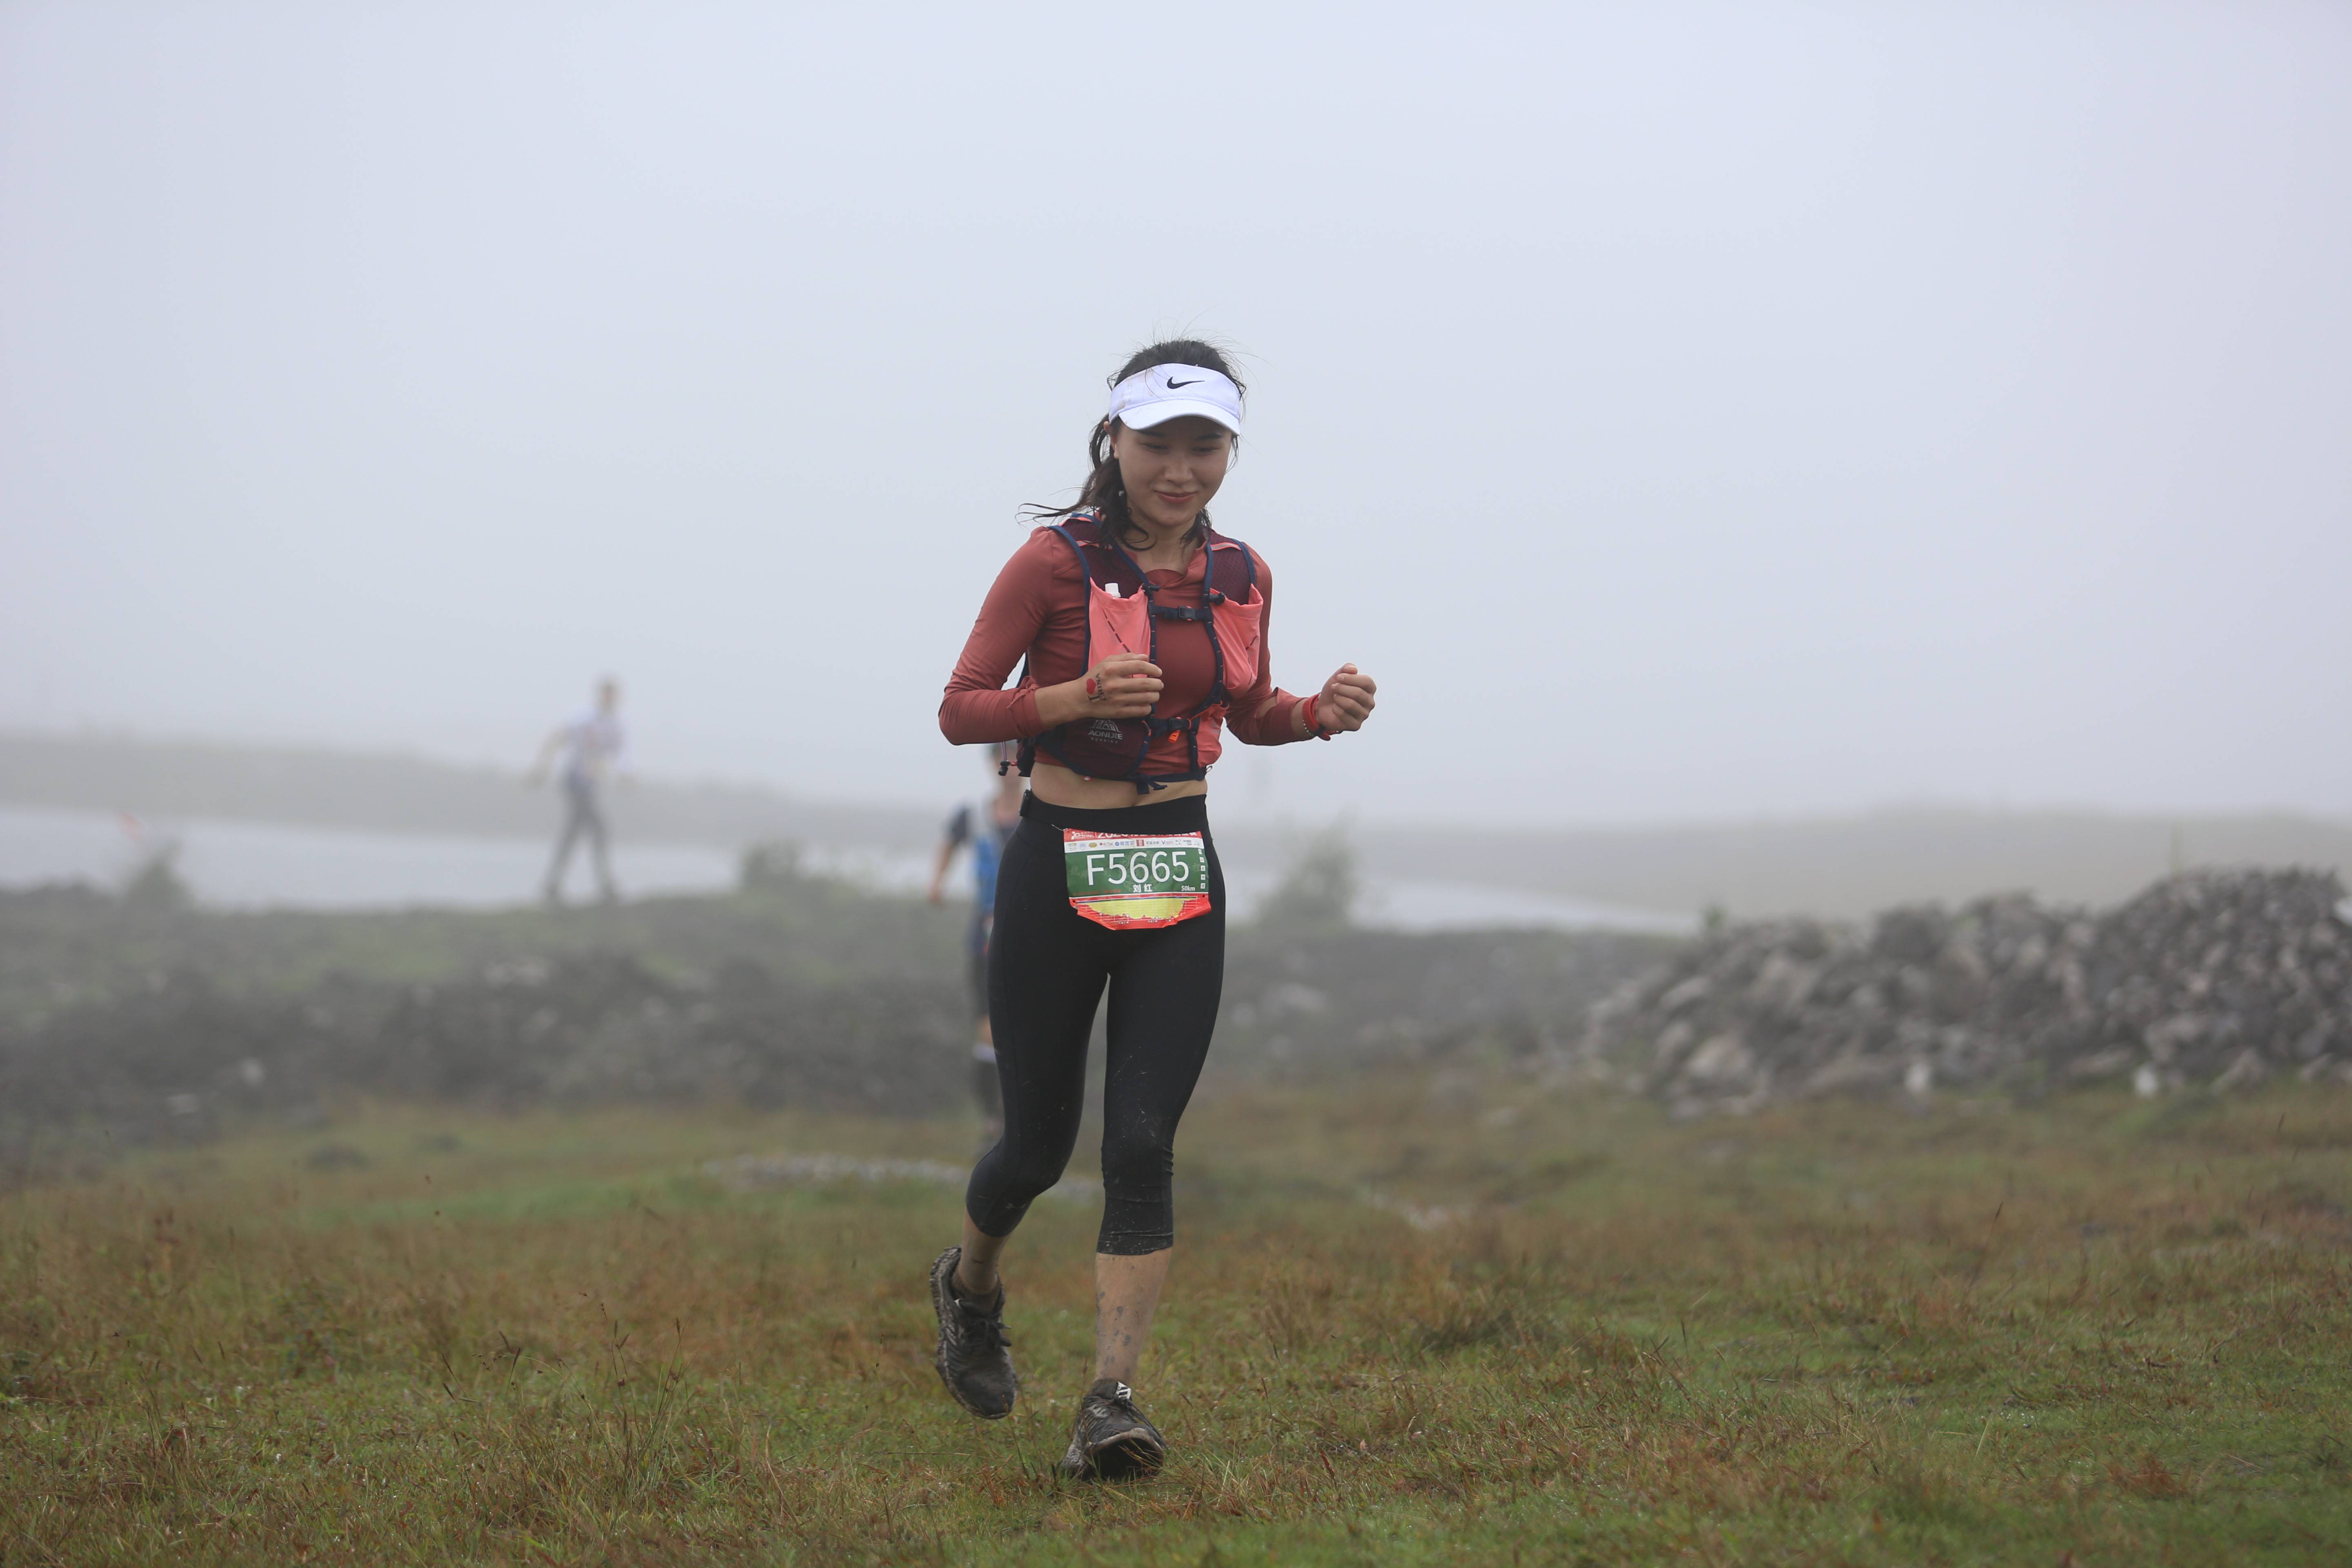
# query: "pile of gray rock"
2215,978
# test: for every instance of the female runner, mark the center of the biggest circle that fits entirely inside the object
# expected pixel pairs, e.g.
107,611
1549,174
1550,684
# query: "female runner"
1145,634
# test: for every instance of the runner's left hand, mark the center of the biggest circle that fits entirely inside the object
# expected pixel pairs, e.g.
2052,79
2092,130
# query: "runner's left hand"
1345,701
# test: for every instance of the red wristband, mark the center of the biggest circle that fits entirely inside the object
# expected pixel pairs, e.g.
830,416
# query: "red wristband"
1307,714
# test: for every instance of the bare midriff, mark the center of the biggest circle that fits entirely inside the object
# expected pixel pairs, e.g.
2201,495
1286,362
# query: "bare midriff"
1057,785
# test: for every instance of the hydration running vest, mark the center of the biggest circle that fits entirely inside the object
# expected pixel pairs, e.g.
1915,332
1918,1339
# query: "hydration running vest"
1123,615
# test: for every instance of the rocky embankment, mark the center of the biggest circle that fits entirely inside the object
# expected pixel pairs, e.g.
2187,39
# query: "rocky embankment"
177,1058
123,1024
2214,978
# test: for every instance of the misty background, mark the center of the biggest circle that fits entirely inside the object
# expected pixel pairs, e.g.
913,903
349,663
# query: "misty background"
1690,415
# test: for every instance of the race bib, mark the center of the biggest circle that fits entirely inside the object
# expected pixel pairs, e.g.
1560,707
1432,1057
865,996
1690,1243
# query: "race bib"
1136,881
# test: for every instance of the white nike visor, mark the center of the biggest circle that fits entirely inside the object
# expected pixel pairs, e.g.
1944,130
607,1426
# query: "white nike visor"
1168,392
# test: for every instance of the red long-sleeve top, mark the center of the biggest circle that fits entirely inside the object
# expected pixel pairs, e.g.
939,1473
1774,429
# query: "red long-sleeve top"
1037,608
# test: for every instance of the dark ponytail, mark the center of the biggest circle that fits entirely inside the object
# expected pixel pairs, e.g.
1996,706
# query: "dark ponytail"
1105,493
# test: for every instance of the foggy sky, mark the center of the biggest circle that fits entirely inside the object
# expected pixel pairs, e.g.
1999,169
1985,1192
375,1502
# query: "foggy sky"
1681,411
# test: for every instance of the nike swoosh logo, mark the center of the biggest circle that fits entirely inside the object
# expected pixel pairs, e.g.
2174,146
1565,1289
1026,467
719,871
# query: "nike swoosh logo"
1174,384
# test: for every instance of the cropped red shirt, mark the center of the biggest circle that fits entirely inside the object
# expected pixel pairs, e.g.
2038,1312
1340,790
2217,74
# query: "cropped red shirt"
1037,608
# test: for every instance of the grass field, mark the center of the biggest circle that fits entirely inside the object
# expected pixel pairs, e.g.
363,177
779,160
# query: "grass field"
1419,1320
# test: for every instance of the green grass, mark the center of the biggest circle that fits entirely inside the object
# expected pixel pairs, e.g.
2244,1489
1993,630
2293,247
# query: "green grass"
1414,1321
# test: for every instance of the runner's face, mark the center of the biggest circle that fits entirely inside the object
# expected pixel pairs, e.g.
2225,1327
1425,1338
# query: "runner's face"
1171,471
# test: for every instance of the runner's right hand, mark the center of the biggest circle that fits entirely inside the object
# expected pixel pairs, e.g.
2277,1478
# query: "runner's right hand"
1127,686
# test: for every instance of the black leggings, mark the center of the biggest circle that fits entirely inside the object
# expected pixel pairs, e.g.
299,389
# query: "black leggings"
1046,967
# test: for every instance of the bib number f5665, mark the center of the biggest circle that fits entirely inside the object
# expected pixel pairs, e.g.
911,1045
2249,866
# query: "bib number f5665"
1136,882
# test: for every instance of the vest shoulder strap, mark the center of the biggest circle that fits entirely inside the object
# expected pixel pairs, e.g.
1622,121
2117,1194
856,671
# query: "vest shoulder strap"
1232,572
1098,561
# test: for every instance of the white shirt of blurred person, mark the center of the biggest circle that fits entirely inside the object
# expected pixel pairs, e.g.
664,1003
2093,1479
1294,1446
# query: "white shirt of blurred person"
591,747
986,825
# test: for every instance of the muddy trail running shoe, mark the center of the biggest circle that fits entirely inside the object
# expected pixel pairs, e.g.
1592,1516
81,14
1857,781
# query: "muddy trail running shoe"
1113,1442
975,1359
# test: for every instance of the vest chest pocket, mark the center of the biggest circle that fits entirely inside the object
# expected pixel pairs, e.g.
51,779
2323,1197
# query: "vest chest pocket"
1238,628
1136,881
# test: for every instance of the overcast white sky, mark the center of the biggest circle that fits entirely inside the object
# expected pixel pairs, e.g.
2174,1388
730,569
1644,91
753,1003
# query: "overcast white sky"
1683,411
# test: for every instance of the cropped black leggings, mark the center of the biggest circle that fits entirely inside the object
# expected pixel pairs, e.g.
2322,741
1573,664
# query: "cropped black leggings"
1047,965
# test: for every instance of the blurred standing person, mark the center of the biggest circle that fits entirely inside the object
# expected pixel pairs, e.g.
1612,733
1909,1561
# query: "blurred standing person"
987,829
1144,636
591,747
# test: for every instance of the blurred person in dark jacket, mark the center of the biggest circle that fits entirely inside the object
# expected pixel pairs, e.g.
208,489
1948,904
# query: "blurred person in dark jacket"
984,825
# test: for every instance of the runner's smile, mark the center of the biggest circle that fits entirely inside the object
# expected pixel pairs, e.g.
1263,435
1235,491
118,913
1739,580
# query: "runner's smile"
1172,470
